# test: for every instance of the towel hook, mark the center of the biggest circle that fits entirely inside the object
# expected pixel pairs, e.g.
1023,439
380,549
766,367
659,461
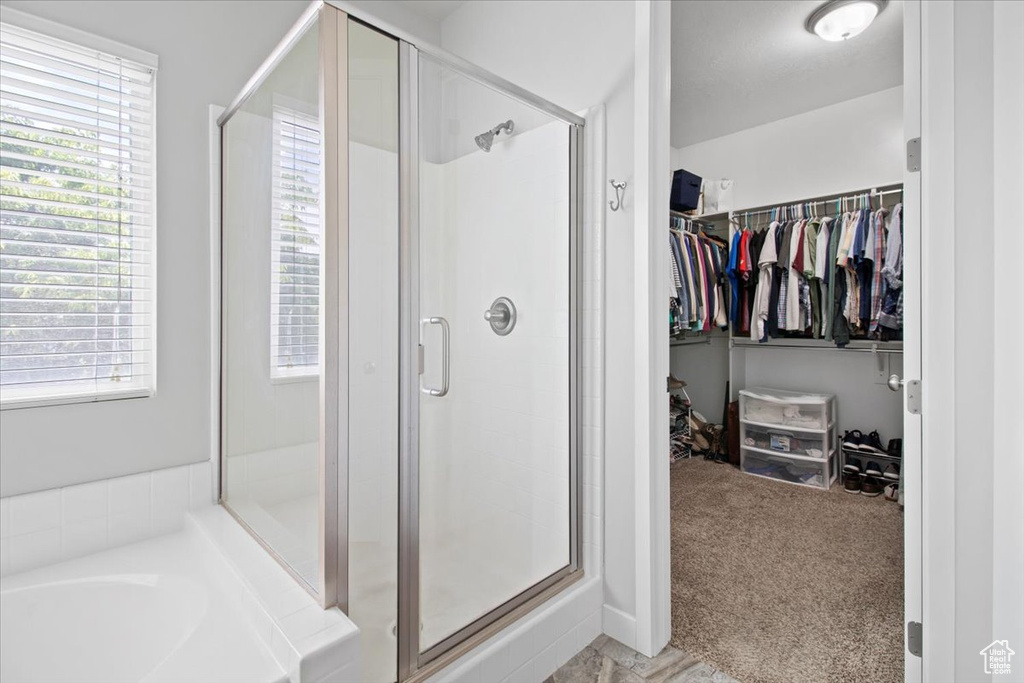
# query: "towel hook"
619,185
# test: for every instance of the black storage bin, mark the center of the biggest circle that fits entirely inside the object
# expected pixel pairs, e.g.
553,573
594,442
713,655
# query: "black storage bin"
685,191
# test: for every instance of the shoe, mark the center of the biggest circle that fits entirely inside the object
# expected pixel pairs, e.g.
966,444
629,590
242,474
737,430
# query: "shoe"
873,469
892,472
892,492
852,466
895,448
851,483
872,444
700,441
852,439
871,487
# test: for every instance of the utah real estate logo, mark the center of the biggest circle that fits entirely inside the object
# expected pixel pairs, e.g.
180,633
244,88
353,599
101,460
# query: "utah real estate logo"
997,657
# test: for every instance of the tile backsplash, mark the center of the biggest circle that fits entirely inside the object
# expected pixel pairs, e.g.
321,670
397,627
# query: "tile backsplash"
44,527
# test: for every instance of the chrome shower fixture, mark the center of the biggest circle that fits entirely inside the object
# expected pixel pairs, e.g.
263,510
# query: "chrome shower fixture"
485,140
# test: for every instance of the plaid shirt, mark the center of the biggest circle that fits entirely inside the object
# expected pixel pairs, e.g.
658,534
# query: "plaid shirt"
876,250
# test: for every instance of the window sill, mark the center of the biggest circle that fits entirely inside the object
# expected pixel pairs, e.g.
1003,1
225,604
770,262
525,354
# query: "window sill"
294,379
92,396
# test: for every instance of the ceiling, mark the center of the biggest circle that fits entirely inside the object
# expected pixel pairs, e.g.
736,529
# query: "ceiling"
743,63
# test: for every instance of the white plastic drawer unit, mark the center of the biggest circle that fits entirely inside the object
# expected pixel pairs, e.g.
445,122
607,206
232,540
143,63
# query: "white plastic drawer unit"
789,436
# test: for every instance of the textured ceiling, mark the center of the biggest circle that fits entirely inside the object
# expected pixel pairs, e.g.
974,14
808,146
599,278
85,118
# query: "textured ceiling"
743,63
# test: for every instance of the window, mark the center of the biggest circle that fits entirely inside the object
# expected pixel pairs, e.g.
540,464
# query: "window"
295,232
77,219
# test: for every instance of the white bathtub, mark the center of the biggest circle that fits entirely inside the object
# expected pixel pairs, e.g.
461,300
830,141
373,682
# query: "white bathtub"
173,608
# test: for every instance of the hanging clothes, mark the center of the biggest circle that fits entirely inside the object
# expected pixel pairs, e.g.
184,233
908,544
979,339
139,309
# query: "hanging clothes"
890,317
759,329
700,288
826,277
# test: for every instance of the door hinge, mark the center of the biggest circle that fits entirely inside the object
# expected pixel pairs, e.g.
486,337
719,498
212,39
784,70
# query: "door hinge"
914,396
914,154
668,384
914,638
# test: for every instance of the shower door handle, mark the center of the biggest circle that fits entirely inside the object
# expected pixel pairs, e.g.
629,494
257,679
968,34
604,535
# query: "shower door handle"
445,353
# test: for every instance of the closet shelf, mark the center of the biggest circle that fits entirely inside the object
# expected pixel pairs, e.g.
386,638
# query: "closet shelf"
708,217
864,455
789,428
862,345
787,454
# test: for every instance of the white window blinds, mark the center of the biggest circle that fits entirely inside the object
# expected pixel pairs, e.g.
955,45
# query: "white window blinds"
295,252
77,209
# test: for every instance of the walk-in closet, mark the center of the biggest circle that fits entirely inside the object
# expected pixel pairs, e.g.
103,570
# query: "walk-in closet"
785,320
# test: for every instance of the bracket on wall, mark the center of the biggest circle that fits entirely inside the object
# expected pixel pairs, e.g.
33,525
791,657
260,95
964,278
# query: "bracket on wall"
914,155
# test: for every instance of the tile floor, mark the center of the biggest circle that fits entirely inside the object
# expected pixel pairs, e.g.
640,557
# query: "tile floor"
608,661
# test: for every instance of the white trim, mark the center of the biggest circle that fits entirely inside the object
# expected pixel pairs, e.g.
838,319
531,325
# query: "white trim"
310,374
618,625
912,480
91,394
215,293
938,482
652,92
80,37
1008,385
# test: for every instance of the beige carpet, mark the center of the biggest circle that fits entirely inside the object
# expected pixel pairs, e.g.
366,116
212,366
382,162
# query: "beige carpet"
778,583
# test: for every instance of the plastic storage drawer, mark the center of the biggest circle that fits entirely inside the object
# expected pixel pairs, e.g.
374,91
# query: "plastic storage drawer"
816,473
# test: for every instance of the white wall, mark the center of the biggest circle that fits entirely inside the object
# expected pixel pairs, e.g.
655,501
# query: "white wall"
844,147
848,146
397,14
587,58
54,446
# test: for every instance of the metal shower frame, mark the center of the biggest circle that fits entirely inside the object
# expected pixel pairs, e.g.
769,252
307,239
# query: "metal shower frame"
332,588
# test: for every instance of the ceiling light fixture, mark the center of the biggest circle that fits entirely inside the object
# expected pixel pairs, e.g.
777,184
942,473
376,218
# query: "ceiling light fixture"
838,20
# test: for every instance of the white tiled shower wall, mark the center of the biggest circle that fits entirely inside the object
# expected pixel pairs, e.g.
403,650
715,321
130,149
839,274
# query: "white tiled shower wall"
44,527
494,452
534,647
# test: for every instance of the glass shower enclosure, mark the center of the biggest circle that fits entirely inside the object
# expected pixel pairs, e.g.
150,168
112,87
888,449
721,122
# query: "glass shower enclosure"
399,395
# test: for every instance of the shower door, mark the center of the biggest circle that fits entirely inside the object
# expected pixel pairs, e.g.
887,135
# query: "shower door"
490,229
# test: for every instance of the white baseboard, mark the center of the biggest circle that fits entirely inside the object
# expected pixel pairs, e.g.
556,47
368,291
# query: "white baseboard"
618,625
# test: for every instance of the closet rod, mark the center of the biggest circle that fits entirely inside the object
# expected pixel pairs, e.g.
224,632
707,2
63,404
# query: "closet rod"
861,346
879,191
706,341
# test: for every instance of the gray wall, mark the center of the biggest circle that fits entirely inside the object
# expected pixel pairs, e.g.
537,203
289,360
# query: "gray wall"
207,51
863,401
705,369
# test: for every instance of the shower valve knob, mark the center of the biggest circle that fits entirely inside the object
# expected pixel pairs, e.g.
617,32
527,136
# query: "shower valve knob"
501,315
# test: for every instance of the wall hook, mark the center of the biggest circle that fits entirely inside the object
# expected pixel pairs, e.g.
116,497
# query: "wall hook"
619,185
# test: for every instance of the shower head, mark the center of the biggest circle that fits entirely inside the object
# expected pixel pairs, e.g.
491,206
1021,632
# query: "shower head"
485,140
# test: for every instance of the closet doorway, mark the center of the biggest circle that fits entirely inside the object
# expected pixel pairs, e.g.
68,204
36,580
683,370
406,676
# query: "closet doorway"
793,245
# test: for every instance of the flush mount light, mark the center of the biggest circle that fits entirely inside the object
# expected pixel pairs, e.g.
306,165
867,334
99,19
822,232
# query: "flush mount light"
843,19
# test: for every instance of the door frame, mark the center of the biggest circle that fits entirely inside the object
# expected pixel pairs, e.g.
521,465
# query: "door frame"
913,296
928,594
413,664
